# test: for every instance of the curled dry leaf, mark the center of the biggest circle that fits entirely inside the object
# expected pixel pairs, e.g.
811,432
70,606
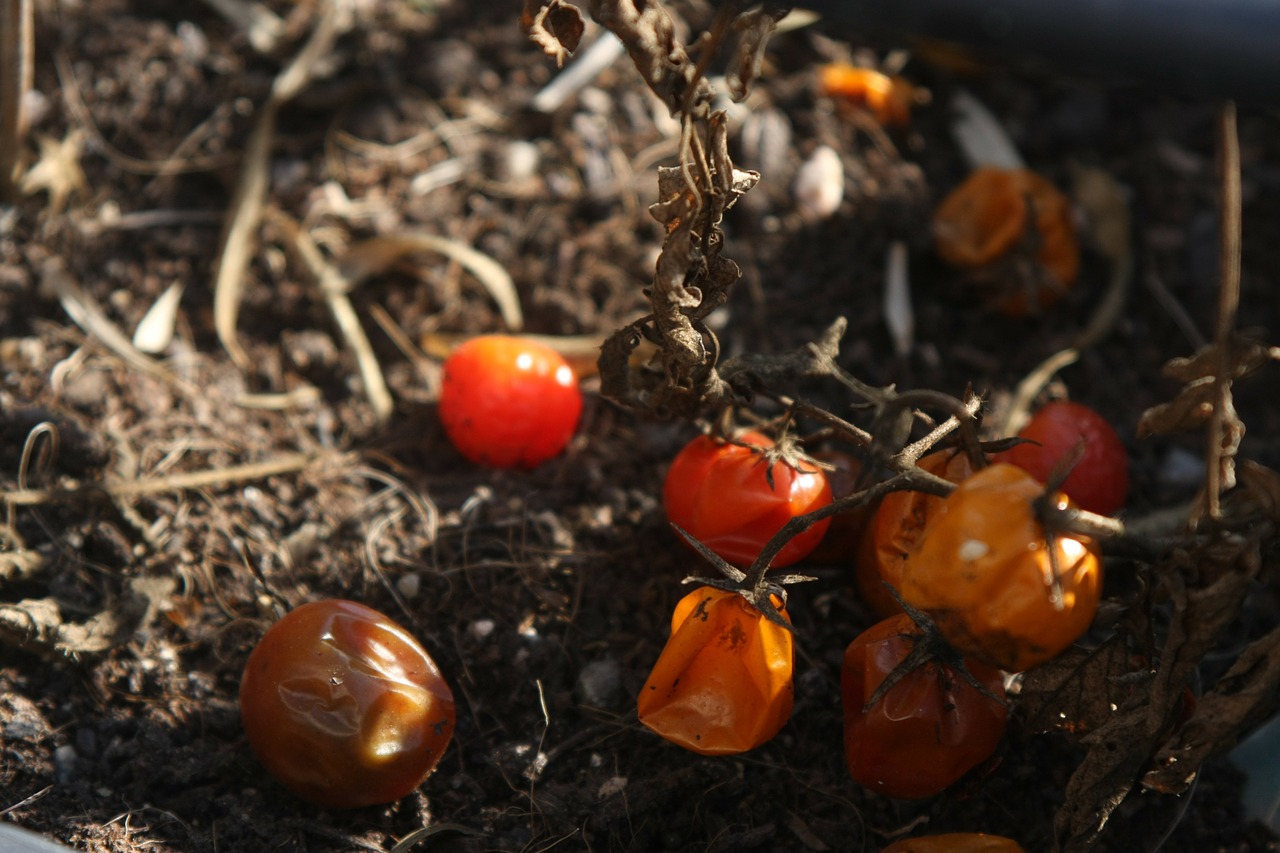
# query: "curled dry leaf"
1193,406
554,26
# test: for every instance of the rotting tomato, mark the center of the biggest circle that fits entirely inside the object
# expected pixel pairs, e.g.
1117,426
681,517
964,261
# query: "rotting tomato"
927,730
1100,480
508,402
956,842
895,531
719,492
996,212
889,98
343,706
985,574
723,682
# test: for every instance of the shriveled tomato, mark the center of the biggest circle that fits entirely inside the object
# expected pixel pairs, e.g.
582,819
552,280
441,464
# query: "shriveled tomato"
996,212
723,683
983,571
955,842
343,706
889,99
1100,480
721,494
895,531
508,402
927,730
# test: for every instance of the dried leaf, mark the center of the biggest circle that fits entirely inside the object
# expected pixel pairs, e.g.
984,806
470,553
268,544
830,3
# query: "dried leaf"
1081,690
553,25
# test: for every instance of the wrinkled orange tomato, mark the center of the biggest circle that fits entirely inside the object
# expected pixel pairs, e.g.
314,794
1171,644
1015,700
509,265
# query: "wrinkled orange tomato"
895,531
721,494
997,211
927,730
956,842
723,683
343,706
889,99
983,572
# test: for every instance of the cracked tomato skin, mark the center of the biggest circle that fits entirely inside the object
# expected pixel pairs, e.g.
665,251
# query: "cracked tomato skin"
983,571
895,531
723,683
509,402
343,706
1100,480
956,842
719,493
928,730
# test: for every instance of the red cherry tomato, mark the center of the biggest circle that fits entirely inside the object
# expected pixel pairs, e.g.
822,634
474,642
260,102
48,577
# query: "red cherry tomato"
508,402
956,842
723,683
720,493
343,706
928,730
1100,481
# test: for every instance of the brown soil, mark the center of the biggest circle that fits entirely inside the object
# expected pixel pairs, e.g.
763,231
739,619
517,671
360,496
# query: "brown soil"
544,595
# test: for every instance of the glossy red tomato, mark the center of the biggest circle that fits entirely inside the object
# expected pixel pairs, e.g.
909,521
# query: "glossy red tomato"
956,842
723,683
928,730
1100,481
720,494
509,402
343,706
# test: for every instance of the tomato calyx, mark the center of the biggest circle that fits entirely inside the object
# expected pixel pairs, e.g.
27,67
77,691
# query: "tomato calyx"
928,646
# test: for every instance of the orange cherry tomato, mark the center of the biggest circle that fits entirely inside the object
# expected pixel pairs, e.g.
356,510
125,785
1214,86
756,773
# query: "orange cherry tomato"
995,211
983,572
928,730
508,402
720,494
895,530
1100,480
889,99
343,706
723,683
956,842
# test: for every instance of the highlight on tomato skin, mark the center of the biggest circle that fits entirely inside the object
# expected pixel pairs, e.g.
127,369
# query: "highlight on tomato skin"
1100,480
509,402
956,842
719,492
929,729
984,573
723,683
343,706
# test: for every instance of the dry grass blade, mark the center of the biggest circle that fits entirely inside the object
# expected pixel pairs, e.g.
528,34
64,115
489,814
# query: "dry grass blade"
378,254
16,47
334,287
245,212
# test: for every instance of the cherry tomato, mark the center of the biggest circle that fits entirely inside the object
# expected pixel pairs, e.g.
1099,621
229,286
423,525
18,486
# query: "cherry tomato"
723,683
1100,480
983,572
845,532
956,842
928,730
895,531
720,494
508,402
996,212
343,706
889,99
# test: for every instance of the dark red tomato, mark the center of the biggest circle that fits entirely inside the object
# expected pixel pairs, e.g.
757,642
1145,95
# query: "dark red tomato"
343,706
720,494
928,730
509,402
1100,481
